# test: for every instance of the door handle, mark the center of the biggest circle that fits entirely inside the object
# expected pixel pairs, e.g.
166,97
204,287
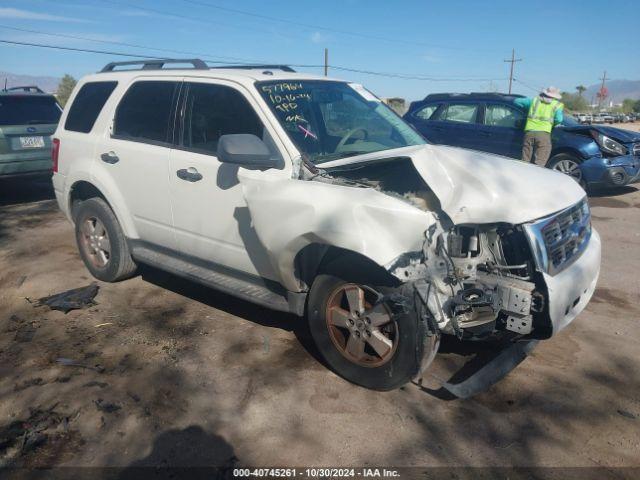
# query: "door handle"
189,174
109,157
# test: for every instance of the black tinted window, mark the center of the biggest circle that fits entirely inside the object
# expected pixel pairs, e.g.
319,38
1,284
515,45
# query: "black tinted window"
87,106
28,110
145,110
216,110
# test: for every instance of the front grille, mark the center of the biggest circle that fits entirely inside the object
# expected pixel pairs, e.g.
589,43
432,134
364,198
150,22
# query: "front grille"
560,239
636,149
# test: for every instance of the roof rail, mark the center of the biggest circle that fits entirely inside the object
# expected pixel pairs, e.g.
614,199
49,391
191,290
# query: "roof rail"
25,88
284,68
156,64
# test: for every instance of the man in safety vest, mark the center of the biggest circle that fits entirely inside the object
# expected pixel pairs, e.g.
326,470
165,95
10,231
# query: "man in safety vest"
545,112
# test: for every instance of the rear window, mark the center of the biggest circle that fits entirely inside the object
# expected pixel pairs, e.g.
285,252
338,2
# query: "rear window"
144,112
28,110
87,106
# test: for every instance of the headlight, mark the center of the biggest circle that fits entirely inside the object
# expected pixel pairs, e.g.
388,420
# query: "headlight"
609,145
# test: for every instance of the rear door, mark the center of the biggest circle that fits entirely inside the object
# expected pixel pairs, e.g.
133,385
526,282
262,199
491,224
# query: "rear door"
502,129
26,125
421,120
134,153
456,124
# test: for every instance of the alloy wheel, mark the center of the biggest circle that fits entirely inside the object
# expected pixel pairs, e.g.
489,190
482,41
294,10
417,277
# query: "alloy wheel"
95,242
569,167
362,329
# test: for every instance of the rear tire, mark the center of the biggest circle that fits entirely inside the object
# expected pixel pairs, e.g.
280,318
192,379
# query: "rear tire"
101,242
385,354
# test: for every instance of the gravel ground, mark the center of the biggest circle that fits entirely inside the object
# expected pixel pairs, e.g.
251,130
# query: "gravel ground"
170,373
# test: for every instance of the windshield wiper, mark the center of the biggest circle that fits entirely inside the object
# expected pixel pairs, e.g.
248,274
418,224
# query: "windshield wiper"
337,156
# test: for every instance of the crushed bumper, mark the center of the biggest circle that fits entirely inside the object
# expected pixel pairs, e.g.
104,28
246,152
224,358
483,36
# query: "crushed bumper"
570,290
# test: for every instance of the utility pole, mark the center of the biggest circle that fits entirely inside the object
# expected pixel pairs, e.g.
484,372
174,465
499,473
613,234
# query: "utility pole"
326,62
512,61
602,90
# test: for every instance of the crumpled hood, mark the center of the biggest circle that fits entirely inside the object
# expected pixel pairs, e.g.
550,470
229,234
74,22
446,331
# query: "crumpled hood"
475,187
618,134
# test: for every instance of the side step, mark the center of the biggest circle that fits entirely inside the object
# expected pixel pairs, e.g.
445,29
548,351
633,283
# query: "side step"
220,278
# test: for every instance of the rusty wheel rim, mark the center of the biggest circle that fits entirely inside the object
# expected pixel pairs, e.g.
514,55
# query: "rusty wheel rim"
362,330
95,242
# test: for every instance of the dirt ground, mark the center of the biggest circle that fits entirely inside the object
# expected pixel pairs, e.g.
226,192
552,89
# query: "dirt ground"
165,372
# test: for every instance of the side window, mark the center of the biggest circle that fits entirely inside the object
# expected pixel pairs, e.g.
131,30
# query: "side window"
215,110
426,112
497,115
87,106
459,113
144,113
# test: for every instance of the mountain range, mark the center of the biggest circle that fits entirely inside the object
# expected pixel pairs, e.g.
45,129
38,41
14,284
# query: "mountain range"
618,89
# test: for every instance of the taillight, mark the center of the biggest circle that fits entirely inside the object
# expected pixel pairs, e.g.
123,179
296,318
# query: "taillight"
55,151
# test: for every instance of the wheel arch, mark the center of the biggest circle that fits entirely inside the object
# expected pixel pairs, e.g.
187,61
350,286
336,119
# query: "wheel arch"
566,151
83,189
317,258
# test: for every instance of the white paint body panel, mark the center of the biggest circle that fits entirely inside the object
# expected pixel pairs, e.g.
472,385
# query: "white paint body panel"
476,187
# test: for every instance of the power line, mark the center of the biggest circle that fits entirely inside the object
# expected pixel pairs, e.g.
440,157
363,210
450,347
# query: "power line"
537,90
320,27
336,67
113,42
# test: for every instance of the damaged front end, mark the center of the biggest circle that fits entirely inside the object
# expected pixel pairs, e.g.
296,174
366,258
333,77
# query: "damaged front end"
476,280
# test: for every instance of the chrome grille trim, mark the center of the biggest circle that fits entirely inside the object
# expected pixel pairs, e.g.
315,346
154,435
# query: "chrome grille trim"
558,240
636,149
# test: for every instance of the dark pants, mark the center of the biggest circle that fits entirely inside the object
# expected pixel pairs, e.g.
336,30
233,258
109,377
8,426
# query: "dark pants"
536,148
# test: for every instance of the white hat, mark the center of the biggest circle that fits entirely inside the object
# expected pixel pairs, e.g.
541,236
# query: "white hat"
552,92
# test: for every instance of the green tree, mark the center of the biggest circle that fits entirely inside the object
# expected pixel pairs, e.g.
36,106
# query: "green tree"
581,89
628,105
65,87
636,107
574,102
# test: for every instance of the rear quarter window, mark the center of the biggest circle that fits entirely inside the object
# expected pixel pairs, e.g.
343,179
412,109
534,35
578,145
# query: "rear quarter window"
144,113
87,106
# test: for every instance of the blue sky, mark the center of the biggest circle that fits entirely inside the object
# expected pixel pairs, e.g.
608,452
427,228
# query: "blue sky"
460,45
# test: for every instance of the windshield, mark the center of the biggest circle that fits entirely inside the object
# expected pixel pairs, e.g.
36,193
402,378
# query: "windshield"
28,110
330,120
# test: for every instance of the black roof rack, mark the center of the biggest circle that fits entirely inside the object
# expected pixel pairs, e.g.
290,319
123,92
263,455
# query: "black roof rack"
159,64
25,88
156,64
284,68
477,95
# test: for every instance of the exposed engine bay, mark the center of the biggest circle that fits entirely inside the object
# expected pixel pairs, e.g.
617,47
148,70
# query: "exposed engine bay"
474,280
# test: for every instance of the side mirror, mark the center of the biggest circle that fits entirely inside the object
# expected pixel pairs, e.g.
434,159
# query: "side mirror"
246,150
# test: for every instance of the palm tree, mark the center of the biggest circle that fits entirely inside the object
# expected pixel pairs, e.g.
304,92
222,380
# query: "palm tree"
580,89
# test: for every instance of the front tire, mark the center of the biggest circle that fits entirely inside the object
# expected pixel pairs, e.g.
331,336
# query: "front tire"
370,343
101,242
569,165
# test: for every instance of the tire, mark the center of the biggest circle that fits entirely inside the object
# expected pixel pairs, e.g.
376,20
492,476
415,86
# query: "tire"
405,331
101,242
567,163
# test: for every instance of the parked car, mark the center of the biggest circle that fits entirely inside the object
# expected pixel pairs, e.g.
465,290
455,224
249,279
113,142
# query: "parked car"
583,118
603,118
309,195
28,117
593,155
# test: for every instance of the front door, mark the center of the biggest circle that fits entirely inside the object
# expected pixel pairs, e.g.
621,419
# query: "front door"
211,219
503,129
134,156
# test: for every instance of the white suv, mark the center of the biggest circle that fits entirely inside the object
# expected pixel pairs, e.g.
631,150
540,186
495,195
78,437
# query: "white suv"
309,195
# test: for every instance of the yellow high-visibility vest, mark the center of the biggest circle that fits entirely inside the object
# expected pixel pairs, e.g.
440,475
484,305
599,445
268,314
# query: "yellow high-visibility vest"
541,114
